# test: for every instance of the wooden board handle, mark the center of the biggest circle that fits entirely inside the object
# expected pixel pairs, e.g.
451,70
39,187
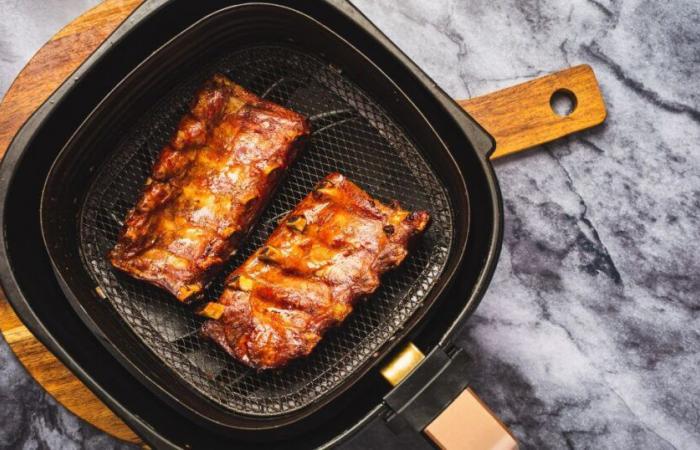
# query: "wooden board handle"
522,116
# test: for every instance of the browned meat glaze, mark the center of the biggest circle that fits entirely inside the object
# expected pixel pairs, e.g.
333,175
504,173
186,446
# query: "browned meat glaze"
207,187
325,255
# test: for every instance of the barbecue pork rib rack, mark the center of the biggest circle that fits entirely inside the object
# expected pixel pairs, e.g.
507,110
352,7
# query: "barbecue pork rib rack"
207,187
325,255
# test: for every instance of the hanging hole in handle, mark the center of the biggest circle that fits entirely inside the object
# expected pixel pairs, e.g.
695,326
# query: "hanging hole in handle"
563,102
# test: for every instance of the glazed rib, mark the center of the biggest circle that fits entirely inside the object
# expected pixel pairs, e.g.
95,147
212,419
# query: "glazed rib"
326,254
207,187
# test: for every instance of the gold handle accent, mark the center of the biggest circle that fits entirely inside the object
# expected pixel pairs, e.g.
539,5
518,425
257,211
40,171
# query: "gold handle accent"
402,364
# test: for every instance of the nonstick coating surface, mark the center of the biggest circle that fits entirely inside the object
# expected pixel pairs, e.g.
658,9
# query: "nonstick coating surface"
351,135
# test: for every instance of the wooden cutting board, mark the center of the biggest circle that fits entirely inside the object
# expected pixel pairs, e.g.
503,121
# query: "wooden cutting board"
519,117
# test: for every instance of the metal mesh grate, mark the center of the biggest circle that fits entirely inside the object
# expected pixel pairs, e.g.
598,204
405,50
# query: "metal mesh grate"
351,135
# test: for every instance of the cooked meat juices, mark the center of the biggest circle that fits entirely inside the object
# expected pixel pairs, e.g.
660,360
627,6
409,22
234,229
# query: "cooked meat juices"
325,255
207,187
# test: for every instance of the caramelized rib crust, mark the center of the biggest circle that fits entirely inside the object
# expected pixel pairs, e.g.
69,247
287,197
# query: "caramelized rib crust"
207,187
325,255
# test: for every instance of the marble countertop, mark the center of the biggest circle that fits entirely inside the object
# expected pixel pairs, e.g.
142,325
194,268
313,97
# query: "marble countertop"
589,336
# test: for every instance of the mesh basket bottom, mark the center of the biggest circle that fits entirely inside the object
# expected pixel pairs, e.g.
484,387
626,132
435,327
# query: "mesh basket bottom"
351,135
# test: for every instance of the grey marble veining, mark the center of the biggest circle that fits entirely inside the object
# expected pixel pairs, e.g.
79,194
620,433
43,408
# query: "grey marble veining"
589,336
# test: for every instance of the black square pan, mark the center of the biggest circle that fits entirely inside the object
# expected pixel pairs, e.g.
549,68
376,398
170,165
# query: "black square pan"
457,131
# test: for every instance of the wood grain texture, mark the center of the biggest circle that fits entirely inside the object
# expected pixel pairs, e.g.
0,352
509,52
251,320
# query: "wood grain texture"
519,117
49,67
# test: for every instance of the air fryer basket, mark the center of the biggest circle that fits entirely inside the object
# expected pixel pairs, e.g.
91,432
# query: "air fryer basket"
376,118
351,134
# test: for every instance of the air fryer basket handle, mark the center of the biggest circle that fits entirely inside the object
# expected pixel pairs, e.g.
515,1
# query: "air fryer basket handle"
522,116
436,402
